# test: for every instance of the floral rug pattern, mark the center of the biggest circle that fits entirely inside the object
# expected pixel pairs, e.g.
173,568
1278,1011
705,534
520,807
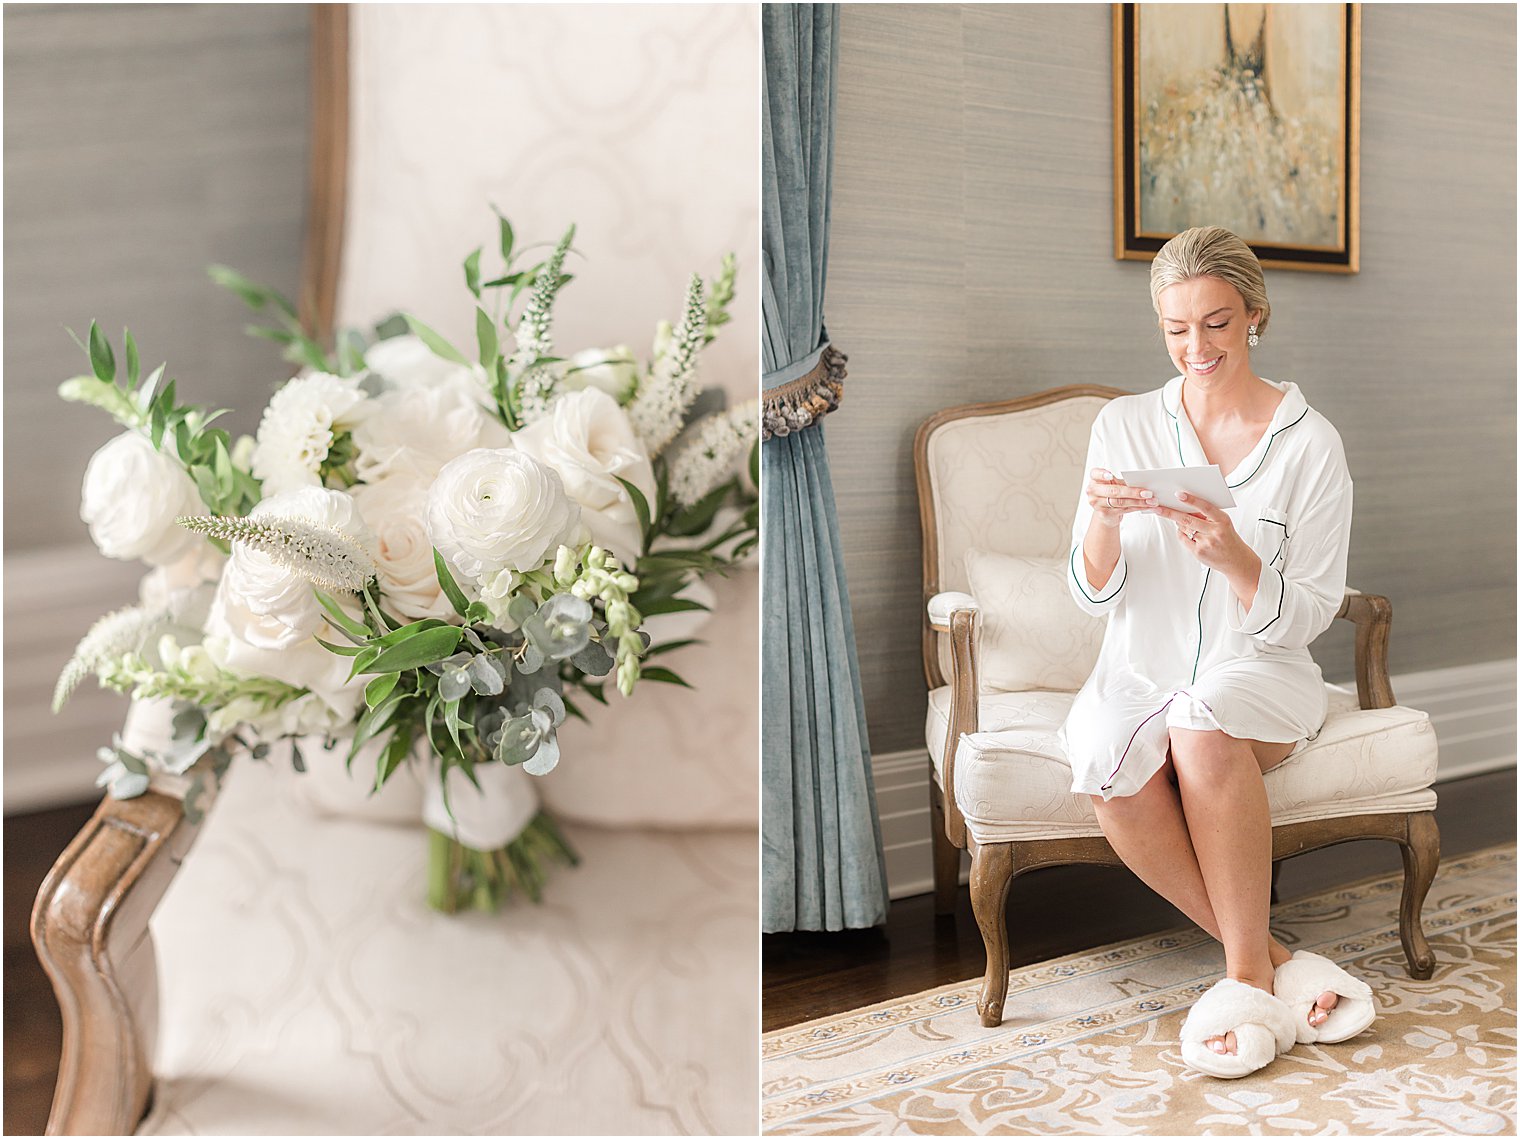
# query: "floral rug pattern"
1089,1045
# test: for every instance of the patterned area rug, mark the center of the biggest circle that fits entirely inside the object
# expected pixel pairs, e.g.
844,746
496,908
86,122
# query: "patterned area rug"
1088,1044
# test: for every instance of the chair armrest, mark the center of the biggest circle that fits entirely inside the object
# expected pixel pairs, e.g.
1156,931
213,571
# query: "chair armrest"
90,929
961,618
943,605
1372,614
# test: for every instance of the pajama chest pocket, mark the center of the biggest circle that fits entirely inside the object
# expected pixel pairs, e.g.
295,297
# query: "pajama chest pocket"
1269,536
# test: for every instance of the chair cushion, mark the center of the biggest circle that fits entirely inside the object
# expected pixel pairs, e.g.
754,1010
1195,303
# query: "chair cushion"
1012,780
1032,636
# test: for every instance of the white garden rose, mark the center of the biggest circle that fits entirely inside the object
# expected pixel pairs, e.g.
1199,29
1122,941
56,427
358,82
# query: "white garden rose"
184,588
613,370
588,441
265,616
413,431
299,426
406,362
132,495
395,510
490,510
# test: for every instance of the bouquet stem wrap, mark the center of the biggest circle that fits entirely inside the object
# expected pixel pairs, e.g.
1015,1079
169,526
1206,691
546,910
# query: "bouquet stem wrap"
486,845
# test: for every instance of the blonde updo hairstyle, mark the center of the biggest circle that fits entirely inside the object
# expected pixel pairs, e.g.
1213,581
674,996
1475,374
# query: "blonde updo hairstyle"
1211,251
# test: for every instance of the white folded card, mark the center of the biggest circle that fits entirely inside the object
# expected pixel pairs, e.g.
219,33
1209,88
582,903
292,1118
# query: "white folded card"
1205,482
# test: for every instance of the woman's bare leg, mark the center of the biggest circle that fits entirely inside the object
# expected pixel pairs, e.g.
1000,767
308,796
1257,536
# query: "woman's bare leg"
1149,831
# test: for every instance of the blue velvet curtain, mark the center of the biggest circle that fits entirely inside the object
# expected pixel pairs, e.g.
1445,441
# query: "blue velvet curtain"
822,861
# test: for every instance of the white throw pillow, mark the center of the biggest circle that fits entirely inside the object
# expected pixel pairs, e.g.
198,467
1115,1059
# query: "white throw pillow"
1032,633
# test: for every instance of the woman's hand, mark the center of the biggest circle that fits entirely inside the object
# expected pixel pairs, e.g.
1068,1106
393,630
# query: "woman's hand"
1208,534
1111,498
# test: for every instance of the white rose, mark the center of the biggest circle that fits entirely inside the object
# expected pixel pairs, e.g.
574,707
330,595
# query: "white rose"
395,510
299,426
132,495
587,440
490,510
413,431
406,362
613,370
264,616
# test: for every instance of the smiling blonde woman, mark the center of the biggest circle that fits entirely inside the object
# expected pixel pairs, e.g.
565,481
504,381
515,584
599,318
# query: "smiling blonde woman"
1205,680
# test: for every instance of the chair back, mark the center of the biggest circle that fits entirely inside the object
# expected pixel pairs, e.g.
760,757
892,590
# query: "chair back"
1002,477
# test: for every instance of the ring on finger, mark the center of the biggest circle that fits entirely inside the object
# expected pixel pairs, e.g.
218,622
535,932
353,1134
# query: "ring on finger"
1110,502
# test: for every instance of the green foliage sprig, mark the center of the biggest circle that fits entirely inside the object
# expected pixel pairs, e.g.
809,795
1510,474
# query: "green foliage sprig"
147,406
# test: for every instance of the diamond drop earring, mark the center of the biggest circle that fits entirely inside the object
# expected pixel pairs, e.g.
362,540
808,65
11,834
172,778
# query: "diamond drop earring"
1251,338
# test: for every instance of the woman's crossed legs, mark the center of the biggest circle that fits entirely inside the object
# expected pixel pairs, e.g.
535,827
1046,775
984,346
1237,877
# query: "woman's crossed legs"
1199,833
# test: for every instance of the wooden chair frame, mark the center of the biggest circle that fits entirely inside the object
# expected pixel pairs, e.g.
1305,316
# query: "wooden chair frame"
994,866
90,920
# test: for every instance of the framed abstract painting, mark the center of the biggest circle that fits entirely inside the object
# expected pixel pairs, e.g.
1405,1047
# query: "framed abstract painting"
1240,115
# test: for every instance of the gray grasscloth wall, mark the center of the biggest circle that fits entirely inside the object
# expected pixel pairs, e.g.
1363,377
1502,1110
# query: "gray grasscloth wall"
142,142
971,260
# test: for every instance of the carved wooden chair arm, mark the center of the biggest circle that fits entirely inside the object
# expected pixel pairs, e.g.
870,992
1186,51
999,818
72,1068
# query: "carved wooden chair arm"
1372,615
956,615
90,928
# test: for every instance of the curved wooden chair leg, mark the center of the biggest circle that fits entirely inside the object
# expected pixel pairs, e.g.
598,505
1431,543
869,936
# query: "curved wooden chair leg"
1422,854
991,872
947,856
1276,870
90,929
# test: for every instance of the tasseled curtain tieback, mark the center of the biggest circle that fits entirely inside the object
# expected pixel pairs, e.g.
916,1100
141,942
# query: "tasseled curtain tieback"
807,399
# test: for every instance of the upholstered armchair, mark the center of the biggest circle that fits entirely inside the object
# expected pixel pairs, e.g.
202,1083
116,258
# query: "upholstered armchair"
274,969
1005,650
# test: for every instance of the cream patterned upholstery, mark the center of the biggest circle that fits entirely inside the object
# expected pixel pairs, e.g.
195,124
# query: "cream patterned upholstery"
1012,781
1030,635
1007,484
306,989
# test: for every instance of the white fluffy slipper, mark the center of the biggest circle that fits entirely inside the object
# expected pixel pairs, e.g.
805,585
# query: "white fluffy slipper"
1302,978
1262,1024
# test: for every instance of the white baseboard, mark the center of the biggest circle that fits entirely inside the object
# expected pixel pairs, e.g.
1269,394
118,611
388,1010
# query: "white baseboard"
1472,708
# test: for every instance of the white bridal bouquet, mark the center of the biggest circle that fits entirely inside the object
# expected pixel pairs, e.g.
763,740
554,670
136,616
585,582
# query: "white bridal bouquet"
423,557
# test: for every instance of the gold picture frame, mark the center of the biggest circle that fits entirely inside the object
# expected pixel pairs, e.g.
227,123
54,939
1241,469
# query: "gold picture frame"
1241,115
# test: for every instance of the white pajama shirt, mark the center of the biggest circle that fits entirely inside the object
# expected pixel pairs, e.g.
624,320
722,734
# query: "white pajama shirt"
1180,651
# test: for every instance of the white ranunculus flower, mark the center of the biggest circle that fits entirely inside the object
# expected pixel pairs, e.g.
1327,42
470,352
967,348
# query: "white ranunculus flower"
490,510
412,431
132,495
587,440
298,428
613,370
264,616
395,510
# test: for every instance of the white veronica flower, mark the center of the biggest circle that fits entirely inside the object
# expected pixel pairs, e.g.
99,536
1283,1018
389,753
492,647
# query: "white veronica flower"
713,449
298,428
587,440
132,495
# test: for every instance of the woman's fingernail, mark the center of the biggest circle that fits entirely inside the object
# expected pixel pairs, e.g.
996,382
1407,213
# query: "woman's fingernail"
1146,494
1184,495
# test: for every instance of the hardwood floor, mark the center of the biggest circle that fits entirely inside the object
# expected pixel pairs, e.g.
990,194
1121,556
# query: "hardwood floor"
1067,909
